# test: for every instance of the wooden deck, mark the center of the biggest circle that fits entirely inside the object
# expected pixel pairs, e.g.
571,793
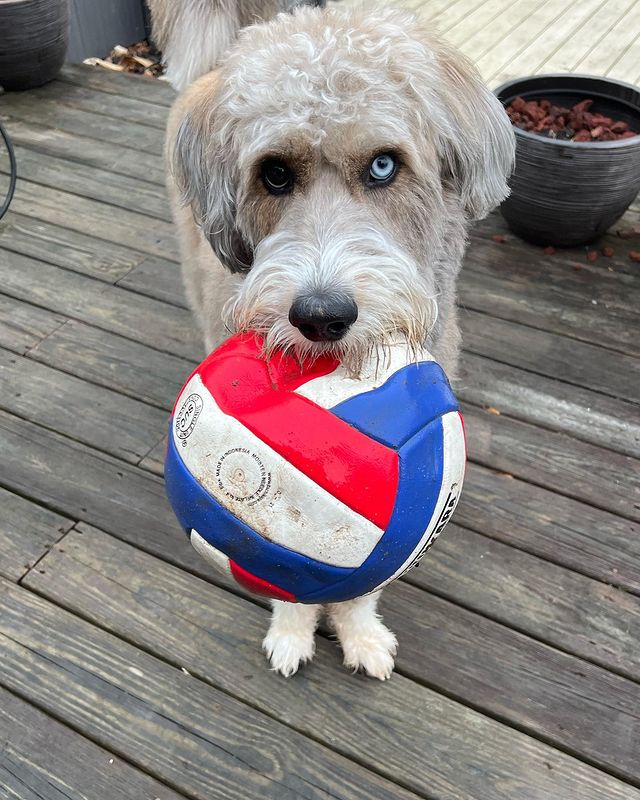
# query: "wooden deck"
130,671
511,38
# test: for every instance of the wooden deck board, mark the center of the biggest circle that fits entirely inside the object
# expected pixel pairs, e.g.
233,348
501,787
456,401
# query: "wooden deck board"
44,760
511,39
27,532
94,575
518,673
195,738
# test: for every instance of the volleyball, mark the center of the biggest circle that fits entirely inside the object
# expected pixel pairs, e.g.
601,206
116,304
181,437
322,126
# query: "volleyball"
309,485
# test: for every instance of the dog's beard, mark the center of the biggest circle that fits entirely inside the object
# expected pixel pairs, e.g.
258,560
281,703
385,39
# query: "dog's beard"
394,300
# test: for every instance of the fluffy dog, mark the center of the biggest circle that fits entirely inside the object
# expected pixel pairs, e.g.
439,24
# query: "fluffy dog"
323,180
193,34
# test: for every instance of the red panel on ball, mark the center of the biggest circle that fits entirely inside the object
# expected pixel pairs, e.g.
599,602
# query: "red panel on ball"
354,468
259,586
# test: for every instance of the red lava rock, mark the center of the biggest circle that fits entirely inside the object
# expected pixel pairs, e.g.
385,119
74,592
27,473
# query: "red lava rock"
549,251
592,255
499,237
634,255
578,267
619,127
608,252
576,124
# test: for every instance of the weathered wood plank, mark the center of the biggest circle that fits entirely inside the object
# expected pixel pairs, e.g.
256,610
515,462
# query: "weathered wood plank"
569,611
518,678
566,58
566,261
97,416
121,107
52,114
556,461
620,35
546,300
137,231
151,275
478,19
41,759
154,459
549,354
488,38
184,732
84,484
529,59
107,187
538,20
547,692
589,416
109,360
158,278
27,531
556,528
110,307
22,326
65,248
73,146
134,86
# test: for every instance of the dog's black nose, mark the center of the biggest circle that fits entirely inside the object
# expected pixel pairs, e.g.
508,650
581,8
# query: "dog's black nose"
323,317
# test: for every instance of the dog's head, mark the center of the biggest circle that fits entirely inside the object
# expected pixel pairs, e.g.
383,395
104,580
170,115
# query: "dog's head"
328,160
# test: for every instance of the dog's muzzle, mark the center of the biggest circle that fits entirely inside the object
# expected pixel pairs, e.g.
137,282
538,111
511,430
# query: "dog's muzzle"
323,317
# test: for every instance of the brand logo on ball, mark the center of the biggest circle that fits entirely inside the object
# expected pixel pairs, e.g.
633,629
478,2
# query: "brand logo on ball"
448,509
188,416
242,476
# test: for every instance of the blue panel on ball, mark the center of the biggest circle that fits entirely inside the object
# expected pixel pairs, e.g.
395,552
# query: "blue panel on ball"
421,469
405,403
196,508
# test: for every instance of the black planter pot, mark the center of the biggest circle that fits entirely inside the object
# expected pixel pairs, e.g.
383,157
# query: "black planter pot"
33,41
568,193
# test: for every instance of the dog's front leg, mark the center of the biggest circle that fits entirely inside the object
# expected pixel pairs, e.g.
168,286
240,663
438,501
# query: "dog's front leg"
366,642
290,640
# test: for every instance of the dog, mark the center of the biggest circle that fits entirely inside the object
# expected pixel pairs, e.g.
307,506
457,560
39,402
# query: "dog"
193,34
323,179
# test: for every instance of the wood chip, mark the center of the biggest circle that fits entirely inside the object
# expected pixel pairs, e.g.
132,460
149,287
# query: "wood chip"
492,410
100,62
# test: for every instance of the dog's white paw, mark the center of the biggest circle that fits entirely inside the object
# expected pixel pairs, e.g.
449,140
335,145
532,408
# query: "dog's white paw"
372,650
290,640
286,651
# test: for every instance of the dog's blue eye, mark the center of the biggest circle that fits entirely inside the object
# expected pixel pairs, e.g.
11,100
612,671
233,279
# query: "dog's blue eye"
276,176
382,168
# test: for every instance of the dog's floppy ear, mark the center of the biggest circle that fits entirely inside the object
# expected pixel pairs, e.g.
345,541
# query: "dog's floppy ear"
479,144
202,164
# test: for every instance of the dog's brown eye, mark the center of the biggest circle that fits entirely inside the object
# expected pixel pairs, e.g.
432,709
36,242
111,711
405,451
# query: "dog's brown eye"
277,177
382,169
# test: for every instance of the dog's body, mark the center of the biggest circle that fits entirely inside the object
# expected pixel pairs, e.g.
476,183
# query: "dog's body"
193,34
323,180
